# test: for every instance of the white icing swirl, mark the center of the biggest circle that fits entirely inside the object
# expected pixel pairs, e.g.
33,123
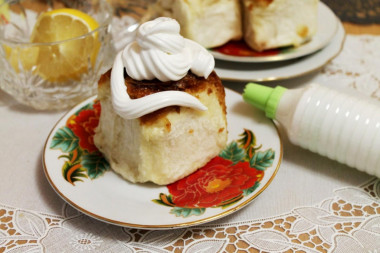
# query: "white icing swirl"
161,52
158,52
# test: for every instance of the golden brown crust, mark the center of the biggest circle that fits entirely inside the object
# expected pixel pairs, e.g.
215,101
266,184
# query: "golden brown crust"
104,79
303,31
191,84
259,3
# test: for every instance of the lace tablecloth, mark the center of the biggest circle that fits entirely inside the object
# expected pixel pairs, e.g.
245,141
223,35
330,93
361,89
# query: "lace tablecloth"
313,204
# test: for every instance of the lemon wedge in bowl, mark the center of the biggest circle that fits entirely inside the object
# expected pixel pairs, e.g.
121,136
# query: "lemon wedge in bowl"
68,44
27,57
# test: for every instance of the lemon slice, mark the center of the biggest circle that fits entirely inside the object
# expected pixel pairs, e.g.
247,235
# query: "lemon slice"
71,57
21,58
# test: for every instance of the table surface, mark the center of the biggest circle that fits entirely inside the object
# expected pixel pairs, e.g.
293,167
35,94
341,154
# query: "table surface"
314,204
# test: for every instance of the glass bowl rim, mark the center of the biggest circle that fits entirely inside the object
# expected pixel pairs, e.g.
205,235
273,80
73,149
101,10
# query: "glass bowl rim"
104,25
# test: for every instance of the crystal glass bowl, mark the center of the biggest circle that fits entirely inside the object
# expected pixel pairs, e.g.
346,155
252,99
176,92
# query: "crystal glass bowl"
28,71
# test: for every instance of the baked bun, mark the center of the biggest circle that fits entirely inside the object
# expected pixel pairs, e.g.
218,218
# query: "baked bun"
272,24
210,23
168,144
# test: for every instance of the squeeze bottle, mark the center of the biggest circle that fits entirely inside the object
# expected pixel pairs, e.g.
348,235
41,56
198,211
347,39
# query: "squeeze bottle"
331,123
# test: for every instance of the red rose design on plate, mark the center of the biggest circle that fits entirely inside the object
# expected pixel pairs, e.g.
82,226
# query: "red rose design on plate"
214,184
83,125
76,140
234,175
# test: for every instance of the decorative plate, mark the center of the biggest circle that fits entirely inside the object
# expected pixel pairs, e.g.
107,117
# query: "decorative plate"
261,72
327,27
82,177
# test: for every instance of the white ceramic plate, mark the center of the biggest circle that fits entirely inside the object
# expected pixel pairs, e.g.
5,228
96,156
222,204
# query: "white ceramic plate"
111,199
327,27
260,72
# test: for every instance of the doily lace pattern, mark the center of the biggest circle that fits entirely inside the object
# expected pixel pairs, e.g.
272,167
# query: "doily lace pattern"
348,220
356,67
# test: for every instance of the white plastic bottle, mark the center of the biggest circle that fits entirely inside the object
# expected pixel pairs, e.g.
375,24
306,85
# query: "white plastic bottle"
334,124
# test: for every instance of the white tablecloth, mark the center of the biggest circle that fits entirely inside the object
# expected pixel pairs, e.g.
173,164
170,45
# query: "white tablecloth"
313,204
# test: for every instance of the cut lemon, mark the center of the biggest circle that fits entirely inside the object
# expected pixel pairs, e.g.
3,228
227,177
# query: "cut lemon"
21,58
71,57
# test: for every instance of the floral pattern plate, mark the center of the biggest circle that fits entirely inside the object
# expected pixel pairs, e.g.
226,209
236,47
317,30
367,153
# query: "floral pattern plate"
82,177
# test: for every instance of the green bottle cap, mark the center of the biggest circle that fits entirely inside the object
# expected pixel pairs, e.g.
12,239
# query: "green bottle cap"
263,97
